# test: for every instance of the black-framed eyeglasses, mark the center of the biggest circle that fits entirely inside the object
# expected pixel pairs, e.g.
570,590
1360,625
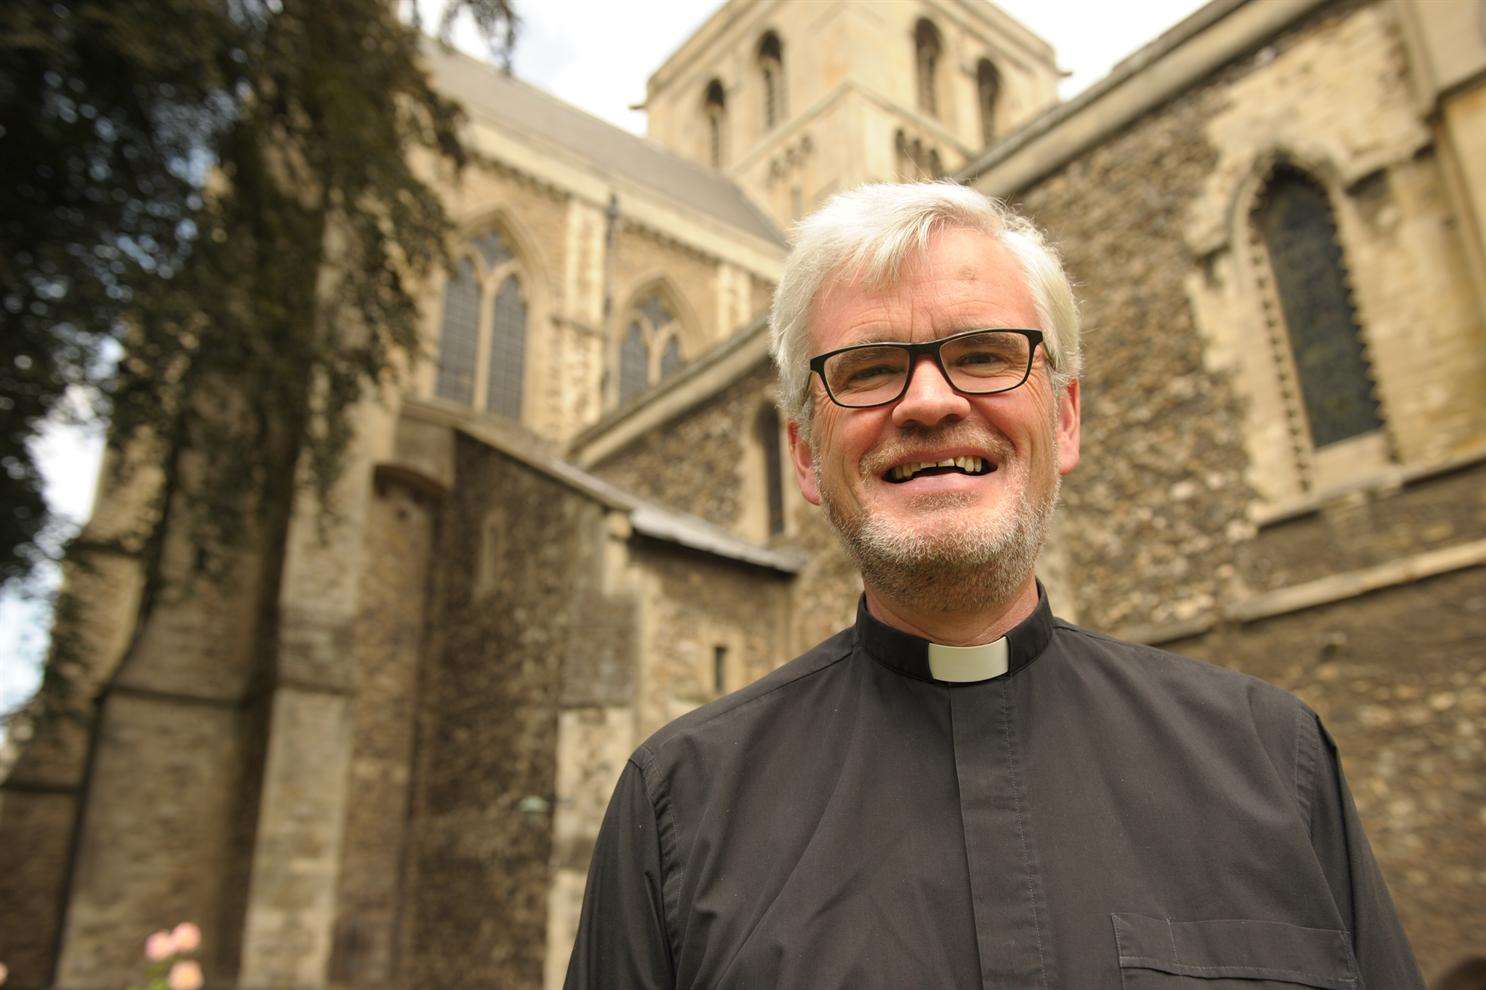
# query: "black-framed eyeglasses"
976,362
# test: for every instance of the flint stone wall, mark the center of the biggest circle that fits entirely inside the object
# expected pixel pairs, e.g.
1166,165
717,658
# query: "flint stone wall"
1398,678
516,561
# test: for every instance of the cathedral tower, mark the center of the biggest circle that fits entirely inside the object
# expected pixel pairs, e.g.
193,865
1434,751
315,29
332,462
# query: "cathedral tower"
796,101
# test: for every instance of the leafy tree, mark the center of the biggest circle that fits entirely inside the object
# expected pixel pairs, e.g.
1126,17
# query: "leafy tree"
223,193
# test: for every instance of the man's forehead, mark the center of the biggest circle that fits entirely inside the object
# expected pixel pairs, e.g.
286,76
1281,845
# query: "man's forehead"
952,257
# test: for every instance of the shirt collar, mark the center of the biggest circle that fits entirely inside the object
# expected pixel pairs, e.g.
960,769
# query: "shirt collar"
909,654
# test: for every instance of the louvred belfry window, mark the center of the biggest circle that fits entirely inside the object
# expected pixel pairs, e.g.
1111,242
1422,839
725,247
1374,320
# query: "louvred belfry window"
771,74
714,107
926,50
1295,223
987,93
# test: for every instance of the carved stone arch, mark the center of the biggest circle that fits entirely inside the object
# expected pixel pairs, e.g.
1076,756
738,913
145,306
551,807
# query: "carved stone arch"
526,247
693,335
1313,157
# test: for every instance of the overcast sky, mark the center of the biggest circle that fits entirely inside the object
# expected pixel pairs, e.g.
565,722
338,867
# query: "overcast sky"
596,54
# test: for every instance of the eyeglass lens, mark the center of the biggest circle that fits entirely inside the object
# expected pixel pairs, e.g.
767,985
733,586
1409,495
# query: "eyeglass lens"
976,363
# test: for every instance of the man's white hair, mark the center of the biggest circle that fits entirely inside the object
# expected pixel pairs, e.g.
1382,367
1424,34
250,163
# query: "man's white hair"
867,234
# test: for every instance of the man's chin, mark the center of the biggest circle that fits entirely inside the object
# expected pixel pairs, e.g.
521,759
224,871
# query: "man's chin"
952,556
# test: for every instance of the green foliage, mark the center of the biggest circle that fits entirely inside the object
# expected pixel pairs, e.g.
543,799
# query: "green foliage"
223,192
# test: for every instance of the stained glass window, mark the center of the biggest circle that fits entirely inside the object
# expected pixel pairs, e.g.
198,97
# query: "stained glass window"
634,360
507,350
671,360
1295,222
459,335
650,349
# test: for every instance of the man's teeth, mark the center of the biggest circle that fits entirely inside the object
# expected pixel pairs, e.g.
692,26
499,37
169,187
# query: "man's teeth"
970,465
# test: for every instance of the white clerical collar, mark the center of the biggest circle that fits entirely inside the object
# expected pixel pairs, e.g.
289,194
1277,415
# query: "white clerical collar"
968,663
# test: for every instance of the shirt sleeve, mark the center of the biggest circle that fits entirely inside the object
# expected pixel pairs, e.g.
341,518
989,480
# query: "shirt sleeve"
1384,959
622,939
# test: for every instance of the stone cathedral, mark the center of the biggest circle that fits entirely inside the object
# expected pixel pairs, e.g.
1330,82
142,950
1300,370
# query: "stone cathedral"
575,522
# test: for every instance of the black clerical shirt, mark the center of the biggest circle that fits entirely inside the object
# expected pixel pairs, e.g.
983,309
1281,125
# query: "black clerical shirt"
1102,816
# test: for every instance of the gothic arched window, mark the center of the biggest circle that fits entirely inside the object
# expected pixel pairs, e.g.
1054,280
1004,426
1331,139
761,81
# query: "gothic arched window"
484,281
766,429
771,71
714,106
987,92
1294,221
650,350
927,48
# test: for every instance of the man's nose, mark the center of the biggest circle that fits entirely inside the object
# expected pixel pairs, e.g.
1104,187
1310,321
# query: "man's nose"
930,399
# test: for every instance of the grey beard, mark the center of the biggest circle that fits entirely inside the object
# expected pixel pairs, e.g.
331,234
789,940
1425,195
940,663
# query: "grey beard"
960,570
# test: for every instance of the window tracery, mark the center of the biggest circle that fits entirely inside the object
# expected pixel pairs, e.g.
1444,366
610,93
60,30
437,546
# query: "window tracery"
650,349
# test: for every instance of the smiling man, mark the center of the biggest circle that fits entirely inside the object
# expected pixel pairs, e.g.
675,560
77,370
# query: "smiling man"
960,790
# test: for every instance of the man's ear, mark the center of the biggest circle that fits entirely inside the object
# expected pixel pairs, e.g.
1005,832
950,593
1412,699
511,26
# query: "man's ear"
803,458
1068,427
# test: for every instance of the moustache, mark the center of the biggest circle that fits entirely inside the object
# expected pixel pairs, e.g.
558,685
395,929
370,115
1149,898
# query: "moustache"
922,445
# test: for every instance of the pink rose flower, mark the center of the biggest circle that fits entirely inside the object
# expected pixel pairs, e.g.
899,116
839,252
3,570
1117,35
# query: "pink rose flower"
187,937
159,946
184,975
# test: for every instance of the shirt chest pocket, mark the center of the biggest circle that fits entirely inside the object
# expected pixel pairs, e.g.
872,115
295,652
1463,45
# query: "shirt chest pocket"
1162,954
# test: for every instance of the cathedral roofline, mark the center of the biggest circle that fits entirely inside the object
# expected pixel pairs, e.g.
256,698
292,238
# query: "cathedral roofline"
1196,46
522,108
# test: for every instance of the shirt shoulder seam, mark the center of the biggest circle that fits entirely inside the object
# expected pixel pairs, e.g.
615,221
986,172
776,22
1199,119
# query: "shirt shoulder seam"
743,703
